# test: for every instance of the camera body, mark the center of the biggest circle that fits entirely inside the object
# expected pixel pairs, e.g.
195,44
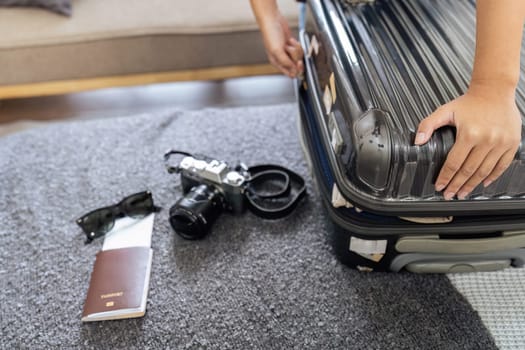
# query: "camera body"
229,183
209,186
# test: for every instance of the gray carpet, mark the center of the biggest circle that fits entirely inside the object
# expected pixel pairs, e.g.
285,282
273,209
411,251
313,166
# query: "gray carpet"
251,284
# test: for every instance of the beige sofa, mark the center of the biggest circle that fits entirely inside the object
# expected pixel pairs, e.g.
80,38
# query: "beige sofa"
114,43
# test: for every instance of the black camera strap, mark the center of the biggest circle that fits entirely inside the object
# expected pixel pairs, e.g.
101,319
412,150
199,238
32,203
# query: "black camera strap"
275,204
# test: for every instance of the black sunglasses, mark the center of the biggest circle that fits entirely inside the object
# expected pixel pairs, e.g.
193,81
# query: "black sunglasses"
98,222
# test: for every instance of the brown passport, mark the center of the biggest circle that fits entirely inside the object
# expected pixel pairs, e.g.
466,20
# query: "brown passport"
119,284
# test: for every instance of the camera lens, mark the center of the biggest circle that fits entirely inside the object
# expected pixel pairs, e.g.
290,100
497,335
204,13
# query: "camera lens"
192,215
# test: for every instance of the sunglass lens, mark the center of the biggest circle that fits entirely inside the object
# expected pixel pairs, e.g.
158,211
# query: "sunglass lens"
138,205
97,223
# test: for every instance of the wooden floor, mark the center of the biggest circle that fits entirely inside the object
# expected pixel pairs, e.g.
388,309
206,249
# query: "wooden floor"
18,114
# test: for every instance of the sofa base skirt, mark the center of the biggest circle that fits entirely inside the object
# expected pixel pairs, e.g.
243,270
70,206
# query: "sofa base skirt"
132,56
78,85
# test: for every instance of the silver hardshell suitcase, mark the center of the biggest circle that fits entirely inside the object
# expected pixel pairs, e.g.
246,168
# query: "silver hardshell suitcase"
373,71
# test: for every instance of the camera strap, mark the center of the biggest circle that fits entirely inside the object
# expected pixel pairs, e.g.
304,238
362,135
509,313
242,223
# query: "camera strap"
275,204
287,188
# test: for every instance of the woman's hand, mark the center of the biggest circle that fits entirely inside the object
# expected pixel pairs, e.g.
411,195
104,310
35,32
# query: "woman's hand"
488,134
283,50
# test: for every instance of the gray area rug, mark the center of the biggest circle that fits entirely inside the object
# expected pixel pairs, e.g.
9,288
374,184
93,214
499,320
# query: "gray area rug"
251,284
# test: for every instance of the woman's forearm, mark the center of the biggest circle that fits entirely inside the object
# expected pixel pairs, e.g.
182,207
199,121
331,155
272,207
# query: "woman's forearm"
499,27
263,9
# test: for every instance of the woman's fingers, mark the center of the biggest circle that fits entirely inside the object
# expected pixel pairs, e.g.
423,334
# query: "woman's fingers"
452,166
473,171
279,58
294,49
485,168
483,165
500,167
295,52
441,117
288,59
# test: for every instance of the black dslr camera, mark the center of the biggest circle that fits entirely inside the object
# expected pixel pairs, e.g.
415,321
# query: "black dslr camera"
211,186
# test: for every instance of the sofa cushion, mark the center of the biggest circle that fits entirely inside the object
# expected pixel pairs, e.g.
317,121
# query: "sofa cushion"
105,38
108,19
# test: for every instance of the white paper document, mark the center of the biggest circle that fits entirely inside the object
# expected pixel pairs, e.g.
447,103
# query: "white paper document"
129,232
